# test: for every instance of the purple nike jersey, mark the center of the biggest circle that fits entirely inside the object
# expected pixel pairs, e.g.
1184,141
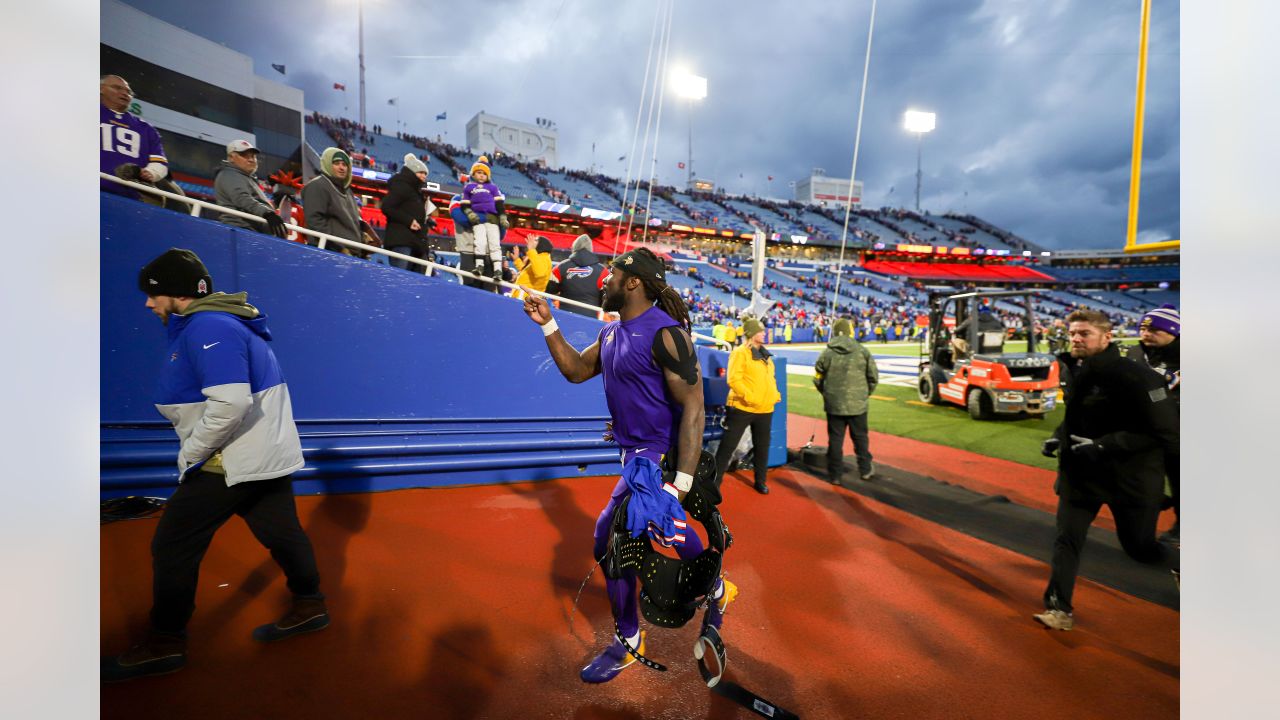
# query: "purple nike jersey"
483,197
644,413
126,138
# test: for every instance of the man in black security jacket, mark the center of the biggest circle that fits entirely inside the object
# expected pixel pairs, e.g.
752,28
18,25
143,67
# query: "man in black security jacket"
1120,424
1160,336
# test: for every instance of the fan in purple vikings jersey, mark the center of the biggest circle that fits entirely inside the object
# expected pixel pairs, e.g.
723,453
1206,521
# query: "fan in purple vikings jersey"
653,387
126,139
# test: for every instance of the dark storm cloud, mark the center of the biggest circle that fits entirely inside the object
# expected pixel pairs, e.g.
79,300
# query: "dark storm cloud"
1035,100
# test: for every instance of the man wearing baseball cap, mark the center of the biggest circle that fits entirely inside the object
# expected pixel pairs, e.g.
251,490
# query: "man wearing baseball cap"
236,186
1159,348
222,389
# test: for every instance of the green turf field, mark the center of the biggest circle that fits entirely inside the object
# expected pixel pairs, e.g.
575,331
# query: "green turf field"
897,411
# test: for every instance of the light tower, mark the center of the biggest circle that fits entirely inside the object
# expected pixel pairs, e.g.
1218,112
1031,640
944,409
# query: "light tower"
361,6
919,123
690,87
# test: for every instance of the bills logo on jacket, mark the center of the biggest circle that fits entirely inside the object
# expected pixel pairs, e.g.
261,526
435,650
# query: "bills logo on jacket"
581,272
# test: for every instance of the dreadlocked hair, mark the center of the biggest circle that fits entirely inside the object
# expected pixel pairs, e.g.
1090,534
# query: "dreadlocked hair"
667,298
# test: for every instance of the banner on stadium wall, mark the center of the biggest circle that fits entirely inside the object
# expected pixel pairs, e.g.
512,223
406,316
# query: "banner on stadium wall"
600,214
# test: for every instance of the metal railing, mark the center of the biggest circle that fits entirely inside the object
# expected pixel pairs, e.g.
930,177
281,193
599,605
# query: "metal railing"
322,239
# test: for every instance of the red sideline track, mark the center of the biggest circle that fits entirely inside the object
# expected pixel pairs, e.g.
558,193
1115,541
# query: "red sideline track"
454,603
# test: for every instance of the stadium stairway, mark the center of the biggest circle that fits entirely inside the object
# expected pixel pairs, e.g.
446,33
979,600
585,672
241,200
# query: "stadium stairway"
397,380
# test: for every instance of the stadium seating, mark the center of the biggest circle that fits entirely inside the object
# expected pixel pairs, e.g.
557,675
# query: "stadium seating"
865,220
317,137
1075,299
980,237
772,220
1155,298
709,212
580,192
1120,274
823,228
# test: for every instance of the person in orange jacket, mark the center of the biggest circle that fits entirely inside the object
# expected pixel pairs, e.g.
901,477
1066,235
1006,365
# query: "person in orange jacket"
753,393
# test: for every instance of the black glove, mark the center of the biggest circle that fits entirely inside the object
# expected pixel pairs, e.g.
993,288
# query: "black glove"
473,217
1049,448
129,171
429,225
275,225
1087,447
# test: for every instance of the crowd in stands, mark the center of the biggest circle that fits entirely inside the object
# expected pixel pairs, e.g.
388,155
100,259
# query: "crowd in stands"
876,305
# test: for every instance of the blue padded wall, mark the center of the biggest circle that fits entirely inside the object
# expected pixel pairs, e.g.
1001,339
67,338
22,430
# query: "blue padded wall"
397,380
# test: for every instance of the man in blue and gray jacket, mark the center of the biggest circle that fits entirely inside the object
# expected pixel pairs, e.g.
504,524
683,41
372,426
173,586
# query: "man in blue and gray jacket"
222,389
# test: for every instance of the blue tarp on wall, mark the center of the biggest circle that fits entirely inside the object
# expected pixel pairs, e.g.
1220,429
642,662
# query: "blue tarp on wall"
397,380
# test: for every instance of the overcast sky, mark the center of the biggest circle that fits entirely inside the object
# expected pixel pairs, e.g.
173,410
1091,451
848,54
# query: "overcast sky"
1034,98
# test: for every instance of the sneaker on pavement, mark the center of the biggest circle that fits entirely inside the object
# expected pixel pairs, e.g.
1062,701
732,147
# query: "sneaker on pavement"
158,654
305,615
611,661
870,472
715,613
1056,619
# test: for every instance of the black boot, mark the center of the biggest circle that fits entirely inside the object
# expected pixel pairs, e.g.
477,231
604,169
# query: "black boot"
307,614
159,654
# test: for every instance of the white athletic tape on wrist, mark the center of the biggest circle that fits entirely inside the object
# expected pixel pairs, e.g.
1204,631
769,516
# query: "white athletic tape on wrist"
684,481
550,328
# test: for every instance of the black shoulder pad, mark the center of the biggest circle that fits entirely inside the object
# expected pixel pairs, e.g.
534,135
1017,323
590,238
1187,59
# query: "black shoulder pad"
673,350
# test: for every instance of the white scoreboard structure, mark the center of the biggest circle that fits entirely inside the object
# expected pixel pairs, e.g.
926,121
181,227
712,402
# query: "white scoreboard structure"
488,134
818,188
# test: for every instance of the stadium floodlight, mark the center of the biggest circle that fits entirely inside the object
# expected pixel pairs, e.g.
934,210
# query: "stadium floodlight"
690,87
919,123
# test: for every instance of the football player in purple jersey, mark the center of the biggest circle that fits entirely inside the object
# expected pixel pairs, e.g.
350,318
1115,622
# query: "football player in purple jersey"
653,388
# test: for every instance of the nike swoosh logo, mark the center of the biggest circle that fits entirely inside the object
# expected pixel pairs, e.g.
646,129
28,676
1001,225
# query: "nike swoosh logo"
206,347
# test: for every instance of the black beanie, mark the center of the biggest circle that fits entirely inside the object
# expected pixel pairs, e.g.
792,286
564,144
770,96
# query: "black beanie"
176,273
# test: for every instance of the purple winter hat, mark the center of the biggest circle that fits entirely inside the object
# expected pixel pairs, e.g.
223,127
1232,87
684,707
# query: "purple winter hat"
1164,318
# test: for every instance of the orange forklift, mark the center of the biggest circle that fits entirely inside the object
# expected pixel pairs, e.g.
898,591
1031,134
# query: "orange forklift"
966,365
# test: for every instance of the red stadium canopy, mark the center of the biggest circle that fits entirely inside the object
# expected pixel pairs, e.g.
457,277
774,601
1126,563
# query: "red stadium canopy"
958,271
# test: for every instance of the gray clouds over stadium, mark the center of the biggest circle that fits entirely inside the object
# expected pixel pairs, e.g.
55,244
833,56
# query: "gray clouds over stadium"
1034,100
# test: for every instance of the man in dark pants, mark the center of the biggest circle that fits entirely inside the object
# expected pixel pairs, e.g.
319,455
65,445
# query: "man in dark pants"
846,375
1120,424
1159,347
222,389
